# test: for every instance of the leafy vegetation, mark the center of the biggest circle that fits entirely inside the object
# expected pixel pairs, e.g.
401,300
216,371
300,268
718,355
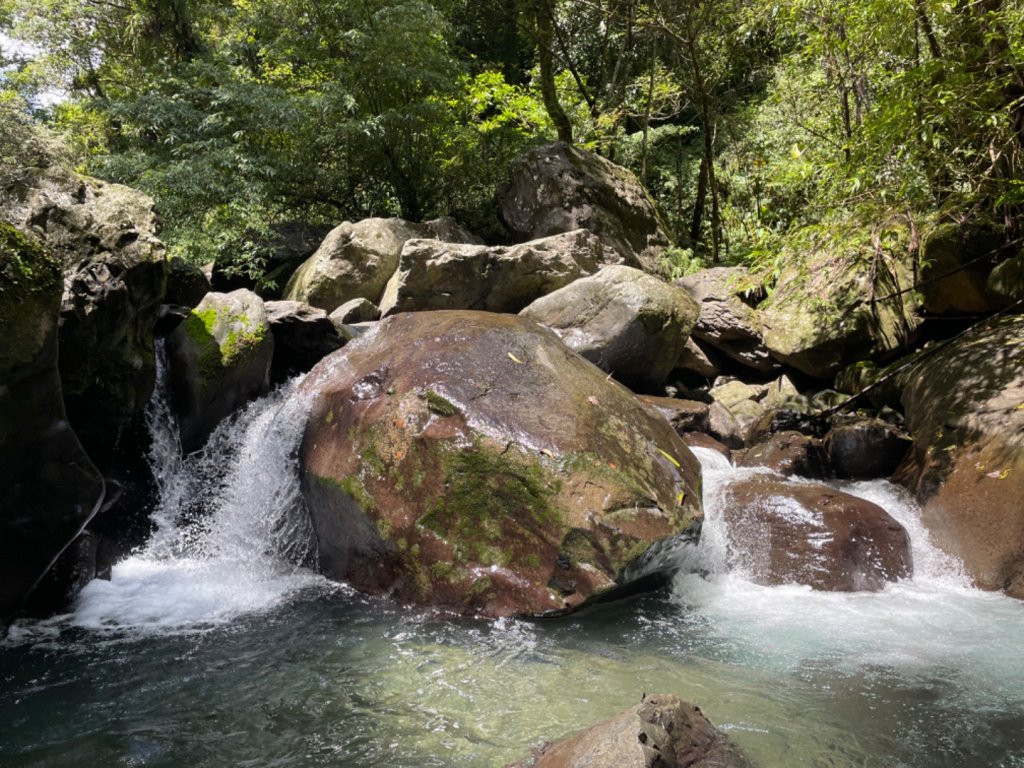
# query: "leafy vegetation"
748,120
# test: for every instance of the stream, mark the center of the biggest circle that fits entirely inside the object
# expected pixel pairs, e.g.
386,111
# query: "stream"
216,645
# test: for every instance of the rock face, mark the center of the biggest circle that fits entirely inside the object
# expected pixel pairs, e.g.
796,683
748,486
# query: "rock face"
726,322
218,359
437,275
357,260
48,486
782,532
303,336
660,732
965,410
471,462
965,255
821,317
558,188
115,272
866,449
626,322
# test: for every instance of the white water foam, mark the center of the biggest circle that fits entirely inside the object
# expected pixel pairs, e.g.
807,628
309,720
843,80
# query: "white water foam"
934,623
232,534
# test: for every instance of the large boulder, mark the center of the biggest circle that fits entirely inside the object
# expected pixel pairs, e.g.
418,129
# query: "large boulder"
841,301
438,275
49,488
471,462
865,449
726,322
559,188
965,410
660,732
957,260
303,336
782,532
115,272
357,260
186,283
218,359
626,322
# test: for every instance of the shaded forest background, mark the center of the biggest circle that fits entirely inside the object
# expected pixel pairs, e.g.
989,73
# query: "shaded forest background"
754,124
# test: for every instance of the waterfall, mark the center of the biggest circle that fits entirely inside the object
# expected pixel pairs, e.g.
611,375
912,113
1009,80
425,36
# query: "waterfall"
232,535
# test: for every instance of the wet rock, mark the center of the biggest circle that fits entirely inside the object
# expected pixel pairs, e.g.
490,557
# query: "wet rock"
726,322
355,311
559,188
964,407
626,322
866,449
788,453
703,440
660,732
781,532
303,336
49,488
218,360
822,315
186,284
957,260
115,273
471,462
437,275
357,260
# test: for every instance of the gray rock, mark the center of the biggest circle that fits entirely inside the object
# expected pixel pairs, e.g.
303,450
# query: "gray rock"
695,359
303,335
1007,279
623,320
437,275
659,732
355,311
357,260
726,322
683,415
957,260
115,273
218,359
186,284
558,188
724,427
49,488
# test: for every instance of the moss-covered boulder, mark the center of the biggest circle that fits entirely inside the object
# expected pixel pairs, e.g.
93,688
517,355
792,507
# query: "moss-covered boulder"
218,359
355,261
839,299
115,270
472,462
965,410
956,262
48,486
559,188
630,324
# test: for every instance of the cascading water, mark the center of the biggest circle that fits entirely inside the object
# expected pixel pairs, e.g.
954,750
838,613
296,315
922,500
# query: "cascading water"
231,532
222,656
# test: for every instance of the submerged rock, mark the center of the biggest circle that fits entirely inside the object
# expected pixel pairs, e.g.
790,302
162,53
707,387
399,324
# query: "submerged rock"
48,486
115,273
782,532
965,410
355,261
218,359
559,188
436,275
626,322
471,462
660,732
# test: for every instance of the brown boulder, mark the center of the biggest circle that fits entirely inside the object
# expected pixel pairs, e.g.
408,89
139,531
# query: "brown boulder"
788,453
660,732
781,532
965,410
866,449
472,462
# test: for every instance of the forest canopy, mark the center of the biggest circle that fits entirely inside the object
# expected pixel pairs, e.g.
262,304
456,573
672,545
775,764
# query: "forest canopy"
748,120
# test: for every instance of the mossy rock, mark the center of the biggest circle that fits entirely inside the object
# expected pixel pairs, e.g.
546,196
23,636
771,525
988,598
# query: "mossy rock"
471,462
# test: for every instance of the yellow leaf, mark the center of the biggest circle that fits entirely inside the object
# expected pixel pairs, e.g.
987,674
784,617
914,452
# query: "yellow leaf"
795,151
514,359
679,498
670,458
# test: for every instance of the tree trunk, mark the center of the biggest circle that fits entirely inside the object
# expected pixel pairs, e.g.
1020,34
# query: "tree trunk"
543,16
